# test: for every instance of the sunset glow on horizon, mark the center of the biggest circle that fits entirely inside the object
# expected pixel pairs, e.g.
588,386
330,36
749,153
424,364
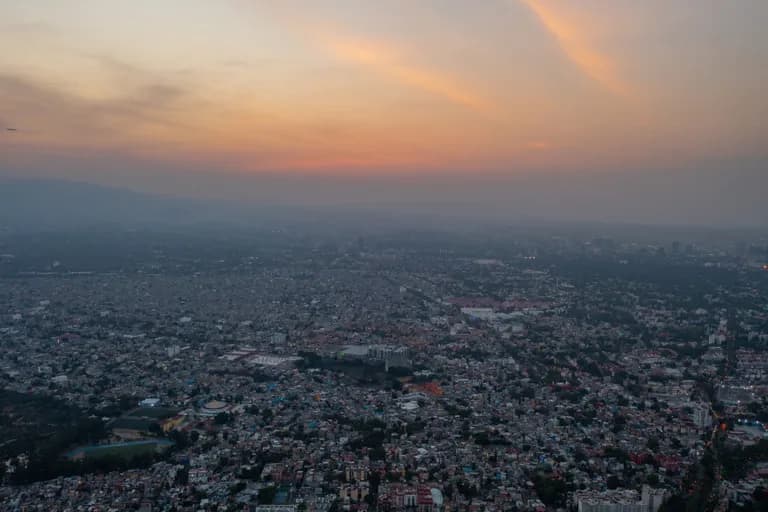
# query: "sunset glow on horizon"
366,88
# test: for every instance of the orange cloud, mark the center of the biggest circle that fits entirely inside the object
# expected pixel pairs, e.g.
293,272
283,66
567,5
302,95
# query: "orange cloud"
575,43
539,145
385,62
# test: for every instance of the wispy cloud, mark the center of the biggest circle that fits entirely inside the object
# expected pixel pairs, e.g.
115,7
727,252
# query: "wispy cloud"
576,44
386,62
48,112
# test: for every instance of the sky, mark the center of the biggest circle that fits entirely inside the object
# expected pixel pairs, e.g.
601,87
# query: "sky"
205,97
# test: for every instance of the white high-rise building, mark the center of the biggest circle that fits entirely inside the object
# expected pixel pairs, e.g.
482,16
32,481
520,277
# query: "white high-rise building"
701,416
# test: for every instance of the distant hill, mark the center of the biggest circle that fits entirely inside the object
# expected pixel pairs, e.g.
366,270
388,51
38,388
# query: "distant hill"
57,204
40,205
312,206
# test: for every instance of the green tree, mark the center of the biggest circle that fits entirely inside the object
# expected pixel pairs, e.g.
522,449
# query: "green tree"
267,495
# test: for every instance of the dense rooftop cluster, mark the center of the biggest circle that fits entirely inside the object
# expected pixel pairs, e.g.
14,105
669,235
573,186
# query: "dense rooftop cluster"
417,375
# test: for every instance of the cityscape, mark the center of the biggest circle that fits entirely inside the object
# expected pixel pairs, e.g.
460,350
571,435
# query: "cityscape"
389,373
383,256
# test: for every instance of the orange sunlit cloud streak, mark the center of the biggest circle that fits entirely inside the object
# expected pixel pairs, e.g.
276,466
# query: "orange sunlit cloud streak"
574,42
385,62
